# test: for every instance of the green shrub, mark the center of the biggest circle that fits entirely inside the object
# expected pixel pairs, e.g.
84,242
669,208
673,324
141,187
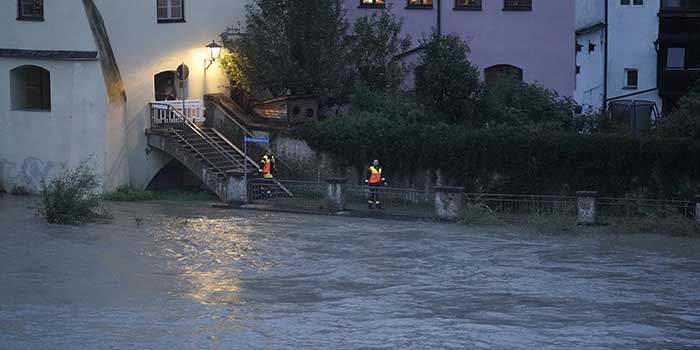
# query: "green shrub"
72,197
125,193
530,161
684,121
445,79
478,213
513,103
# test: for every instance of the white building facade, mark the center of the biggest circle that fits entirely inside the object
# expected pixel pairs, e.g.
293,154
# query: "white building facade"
590,46
77,76
628,71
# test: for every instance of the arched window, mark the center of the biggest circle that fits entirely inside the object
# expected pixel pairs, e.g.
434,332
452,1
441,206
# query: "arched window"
30,87
501,71
165,88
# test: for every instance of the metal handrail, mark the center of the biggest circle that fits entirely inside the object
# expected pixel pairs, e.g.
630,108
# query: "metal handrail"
197,130
247,132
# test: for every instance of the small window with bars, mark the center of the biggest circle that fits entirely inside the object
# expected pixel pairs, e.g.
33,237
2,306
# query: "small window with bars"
30,10
468,5
170,11
517,5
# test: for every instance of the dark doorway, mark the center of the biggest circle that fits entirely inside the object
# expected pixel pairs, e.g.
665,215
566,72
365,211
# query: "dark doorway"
175,176
165,88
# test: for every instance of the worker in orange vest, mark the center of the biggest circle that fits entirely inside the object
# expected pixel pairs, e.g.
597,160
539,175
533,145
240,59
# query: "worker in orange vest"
374,180
267,166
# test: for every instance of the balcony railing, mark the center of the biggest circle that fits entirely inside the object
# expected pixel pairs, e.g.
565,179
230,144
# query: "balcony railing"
193,110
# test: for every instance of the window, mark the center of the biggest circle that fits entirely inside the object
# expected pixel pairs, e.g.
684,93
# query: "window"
692,57
632,2
675,58
371,3
420,4
170,11
517,5
501,71
30,10
30,88
631,78
578,69
467,4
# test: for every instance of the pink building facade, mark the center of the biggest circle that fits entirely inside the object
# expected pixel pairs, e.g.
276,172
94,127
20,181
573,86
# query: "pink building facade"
532,38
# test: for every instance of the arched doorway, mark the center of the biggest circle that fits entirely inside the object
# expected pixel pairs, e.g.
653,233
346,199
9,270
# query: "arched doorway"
501,71
165,86
175,176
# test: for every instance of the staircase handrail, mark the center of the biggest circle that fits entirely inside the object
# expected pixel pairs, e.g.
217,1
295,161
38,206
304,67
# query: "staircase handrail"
197,130
247,132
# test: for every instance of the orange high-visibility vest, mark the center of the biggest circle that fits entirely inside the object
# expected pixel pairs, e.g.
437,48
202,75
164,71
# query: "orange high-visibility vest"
375,176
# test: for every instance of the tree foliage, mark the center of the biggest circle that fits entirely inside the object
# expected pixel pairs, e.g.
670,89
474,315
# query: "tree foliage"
445,79
291,46
513,103
376,43
684,121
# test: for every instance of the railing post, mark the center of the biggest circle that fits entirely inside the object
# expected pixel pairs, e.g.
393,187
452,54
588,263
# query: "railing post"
449,202
696,212
335,194
236,189
587,207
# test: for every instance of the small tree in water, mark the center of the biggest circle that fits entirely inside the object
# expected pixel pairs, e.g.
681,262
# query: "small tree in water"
72,197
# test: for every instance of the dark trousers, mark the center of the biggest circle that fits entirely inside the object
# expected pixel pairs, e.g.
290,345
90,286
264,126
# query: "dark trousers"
374,193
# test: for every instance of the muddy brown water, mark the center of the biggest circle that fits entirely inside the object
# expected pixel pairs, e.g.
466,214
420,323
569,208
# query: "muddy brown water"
193,277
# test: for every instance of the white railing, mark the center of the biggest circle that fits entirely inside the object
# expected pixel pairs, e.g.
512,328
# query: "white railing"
193,110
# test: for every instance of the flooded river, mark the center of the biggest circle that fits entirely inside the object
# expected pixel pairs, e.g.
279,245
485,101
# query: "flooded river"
186,276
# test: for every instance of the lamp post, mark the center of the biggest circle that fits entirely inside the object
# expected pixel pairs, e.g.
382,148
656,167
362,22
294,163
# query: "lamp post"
214,52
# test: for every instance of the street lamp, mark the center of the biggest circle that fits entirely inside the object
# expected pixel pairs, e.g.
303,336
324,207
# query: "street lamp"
214,52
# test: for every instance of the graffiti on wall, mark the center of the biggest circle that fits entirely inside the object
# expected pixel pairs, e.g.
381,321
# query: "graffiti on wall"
30,173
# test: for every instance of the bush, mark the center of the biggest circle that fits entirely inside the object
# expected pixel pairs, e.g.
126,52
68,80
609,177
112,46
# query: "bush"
127,194
531,161
513,103
72,197
445,79
684,121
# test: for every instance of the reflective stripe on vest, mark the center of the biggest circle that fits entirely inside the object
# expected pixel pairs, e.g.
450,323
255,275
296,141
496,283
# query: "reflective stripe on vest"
376,175
266,167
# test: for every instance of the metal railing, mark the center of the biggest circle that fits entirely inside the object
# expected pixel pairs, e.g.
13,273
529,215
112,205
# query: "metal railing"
395,201
511,204
637,207
193,110
176,121
245,132
287,194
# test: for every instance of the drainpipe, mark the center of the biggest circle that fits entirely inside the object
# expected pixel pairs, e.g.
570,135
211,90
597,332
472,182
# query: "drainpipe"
605,63
439,18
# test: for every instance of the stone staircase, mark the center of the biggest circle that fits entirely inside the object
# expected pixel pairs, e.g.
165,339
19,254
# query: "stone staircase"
207,155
